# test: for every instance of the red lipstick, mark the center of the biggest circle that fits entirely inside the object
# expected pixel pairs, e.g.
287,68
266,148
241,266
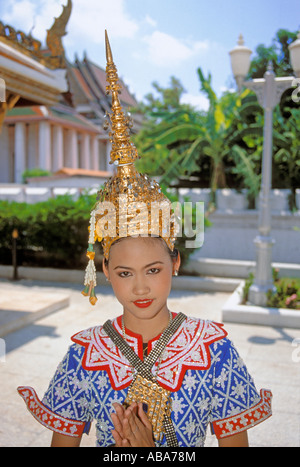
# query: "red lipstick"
143,303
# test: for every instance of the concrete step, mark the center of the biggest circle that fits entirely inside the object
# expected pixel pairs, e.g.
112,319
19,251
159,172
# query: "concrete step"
205,284
17,310
227,268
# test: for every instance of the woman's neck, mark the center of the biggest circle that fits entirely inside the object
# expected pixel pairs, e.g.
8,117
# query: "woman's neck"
147,328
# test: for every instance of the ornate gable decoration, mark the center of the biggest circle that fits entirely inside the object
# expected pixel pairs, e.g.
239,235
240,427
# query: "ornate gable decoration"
54,57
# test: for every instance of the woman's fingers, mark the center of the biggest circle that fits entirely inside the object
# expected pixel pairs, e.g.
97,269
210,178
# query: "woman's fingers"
117,438
117,418
131,426
130,421
143,416
137,428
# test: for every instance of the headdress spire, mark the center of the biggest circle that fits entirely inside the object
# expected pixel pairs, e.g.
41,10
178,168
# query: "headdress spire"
123,150
130,204
109,57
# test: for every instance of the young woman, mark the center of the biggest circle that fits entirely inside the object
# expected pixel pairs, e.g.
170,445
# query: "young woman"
212,385
151,377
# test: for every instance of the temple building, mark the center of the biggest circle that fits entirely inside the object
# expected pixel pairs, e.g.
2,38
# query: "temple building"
52,111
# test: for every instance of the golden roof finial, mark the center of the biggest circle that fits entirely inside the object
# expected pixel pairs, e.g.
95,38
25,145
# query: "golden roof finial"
123,150
55,35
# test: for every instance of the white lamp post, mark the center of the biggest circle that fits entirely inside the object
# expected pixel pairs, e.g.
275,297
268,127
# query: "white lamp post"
269,91
240,61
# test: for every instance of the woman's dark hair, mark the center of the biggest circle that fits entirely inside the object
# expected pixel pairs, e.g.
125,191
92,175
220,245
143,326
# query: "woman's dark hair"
173,254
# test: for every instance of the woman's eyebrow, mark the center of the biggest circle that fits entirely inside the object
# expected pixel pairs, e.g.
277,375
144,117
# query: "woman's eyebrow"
147,265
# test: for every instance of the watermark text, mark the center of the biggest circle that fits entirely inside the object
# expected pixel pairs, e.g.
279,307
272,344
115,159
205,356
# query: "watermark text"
139,219
296,351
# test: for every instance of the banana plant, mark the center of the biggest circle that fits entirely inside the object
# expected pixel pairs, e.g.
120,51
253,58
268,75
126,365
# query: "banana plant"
195,137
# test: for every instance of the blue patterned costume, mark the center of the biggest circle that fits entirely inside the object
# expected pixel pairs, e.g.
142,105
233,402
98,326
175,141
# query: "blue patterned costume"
208,380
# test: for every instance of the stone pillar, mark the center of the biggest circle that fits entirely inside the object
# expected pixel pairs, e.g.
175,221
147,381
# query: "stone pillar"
32,148
85,151
5,156
95,153
20,155
72,149
45,162
58,148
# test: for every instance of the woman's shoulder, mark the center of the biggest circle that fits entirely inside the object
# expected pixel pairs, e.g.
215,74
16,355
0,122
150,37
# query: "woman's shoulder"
207,334
207,330
86,336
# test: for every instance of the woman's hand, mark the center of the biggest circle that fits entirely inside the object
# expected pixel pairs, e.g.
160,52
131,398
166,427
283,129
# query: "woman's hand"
132,427
117,419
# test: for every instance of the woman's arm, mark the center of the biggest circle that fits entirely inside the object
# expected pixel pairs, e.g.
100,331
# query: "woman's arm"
235,441
63,441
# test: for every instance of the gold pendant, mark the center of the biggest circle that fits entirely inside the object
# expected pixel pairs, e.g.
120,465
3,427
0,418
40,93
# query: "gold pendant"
157,399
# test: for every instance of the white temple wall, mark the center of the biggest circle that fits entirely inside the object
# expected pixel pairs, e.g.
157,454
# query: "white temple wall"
49,146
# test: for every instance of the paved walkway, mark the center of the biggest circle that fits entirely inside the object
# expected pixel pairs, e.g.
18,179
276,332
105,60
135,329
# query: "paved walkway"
33,353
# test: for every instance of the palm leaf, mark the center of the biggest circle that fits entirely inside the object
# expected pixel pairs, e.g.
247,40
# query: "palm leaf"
182,132
245,168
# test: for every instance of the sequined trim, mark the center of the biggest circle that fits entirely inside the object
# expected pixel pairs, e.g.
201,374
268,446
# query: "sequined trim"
47,418
187,349
247,419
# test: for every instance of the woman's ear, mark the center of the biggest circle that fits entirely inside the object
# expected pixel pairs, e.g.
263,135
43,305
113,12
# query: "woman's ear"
176,263
105,269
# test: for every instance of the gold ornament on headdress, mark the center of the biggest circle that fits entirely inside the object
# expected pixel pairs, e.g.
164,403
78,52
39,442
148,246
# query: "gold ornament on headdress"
130,204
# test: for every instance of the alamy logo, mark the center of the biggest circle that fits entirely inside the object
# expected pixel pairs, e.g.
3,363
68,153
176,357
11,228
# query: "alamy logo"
184,215
296,352
2,90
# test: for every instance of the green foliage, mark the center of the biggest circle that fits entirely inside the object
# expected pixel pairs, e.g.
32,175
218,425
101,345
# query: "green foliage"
277,52
223,147
162,111
287,154
55,229
248,283
165,100
287,295
54,233
213,145
188,211
30,173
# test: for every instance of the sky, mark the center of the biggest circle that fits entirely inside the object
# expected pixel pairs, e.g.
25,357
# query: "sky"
152,40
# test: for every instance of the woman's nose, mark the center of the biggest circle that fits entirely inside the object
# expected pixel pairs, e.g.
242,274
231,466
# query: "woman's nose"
140,286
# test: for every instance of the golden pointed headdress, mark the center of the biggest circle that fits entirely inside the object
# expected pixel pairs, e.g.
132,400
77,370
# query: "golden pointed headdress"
130,204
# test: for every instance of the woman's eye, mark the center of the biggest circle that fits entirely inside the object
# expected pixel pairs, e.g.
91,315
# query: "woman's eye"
124,274
154,270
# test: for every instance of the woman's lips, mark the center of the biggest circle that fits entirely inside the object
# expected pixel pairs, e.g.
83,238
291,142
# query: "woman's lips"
143,303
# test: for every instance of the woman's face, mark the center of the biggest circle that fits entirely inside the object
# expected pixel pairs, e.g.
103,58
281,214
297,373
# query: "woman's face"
140,270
